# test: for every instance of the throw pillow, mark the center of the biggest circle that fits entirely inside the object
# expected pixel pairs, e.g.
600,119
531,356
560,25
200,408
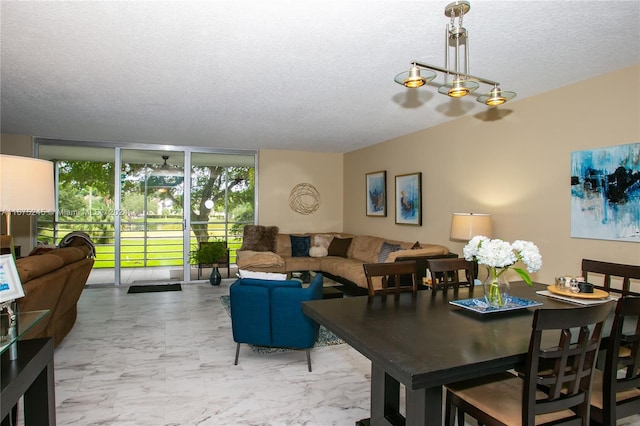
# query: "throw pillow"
318,251
300,245
386,249
262,275
339,247
259,238
322,240
416,246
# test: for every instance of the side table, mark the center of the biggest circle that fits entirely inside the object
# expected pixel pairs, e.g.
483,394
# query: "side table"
31,375
7,250
26,369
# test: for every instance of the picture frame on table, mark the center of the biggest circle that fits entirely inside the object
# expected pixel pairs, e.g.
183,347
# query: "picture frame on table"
376,186
409,199
10,284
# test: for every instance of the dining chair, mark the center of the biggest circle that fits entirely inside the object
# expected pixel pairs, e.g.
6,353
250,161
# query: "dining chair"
391,277
446,273
607,270
616,391
555,385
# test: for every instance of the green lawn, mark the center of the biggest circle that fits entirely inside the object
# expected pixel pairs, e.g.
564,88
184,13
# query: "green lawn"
160,252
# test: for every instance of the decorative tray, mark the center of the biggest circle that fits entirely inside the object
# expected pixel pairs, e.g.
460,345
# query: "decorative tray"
481,306
574,299
597,293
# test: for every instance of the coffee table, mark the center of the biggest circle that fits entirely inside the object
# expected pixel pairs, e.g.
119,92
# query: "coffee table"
330,290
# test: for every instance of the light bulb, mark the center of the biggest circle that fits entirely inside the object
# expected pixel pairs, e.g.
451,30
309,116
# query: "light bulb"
414,80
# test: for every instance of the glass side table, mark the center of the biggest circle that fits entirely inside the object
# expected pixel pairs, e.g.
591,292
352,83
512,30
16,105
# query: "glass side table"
11,330
26,370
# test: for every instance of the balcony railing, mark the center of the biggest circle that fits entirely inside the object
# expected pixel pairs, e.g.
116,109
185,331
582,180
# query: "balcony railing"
142,244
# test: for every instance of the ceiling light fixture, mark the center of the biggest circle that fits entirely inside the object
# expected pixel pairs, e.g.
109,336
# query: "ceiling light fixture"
463,83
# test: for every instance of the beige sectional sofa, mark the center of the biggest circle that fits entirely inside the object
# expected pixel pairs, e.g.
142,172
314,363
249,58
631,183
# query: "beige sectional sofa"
346,270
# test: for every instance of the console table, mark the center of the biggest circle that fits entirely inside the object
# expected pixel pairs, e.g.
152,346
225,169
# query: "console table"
27,370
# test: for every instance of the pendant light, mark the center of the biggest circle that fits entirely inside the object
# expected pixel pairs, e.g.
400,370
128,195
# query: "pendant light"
456,64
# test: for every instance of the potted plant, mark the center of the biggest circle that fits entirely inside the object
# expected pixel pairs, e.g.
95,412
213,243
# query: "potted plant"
211,253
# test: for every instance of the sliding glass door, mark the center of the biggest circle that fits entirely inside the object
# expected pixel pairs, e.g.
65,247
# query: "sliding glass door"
150,217
85,197
222,199
147,209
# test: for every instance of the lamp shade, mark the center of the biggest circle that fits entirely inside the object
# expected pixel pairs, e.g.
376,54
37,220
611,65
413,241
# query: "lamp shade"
26,185
465,226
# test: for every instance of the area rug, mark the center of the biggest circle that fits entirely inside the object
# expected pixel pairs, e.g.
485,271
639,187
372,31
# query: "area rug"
154,288
325,337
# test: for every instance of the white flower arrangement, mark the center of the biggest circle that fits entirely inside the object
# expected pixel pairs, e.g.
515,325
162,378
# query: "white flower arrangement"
499,254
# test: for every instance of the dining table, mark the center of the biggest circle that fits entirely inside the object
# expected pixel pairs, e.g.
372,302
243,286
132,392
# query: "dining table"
422,341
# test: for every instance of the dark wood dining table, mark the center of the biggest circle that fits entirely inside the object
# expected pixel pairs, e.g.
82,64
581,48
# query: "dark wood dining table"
424,342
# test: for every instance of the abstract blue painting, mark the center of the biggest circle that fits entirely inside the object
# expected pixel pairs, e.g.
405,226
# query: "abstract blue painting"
605,193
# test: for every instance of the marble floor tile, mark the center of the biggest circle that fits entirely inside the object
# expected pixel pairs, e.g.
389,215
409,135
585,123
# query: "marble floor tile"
153,359
140,275
167,359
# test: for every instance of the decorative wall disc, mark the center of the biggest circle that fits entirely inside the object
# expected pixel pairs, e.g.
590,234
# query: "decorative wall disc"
304,198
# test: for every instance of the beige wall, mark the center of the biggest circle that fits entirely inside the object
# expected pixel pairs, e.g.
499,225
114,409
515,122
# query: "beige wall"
515,167
16,145
279,171
20,225
512,162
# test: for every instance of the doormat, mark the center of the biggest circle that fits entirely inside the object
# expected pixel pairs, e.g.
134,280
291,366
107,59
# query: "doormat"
154,288
325,337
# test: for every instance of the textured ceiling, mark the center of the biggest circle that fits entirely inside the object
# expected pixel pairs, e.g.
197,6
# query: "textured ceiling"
300,75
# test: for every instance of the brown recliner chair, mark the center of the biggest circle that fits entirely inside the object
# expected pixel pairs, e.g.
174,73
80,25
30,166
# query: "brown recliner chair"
54,280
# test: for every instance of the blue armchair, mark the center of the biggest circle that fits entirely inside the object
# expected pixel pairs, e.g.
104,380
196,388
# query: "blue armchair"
269,313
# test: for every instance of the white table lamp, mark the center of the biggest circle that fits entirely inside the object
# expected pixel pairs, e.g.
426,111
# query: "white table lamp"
26,186
465,226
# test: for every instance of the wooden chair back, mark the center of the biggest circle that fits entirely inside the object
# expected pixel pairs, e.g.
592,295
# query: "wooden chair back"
391,274
422,263
625,273
619,394
555,384
567,383
447,272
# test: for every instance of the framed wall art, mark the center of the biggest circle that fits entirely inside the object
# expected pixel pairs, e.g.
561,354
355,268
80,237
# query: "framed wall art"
377,193
409,199
605,193
10,285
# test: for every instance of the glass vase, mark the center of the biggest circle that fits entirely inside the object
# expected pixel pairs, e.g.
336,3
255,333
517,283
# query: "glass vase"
496,288
215,277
